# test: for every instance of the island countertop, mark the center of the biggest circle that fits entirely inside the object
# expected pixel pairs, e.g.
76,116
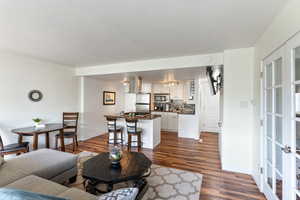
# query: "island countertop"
141,117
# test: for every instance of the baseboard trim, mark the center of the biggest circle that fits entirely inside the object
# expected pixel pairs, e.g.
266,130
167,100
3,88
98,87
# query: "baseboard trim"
257,181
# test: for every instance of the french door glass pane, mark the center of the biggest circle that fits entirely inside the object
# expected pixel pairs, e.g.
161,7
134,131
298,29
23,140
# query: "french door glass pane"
269,126
269,75
297,100
278,100
278,158
278,131
269,176
269,100
278,74
297,63
269,151
297,174
278,186
298,136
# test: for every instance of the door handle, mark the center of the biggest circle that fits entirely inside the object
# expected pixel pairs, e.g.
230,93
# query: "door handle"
286,149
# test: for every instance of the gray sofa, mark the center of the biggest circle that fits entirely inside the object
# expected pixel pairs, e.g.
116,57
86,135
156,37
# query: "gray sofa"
41,172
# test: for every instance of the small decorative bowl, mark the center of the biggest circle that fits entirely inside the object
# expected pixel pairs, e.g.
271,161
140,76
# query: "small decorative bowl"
115,156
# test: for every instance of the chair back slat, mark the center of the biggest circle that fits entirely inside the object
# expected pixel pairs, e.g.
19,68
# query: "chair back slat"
131,124
70,119
111,124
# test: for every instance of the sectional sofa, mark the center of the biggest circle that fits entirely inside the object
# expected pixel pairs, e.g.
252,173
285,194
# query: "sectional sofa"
43,172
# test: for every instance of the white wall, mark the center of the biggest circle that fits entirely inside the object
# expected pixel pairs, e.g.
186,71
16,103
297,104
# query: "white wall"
284,26
19,75
237,128
93,122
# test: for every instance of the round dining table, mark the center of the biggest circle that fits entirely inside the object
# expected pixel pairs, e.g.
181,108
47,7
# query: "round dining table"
35,132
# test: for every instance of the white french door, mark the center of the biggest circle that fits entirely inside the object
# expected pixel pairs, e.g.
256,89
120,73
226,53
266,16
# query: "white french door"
293,141
274,120
281,145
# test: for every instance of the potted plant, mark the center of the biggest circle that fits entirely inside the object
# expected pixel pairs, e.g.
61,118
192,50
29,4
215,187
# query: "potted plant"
37,122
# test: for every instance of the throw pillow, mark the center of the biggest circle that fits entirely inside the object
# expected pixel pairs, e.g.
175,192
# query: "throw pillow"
14,194
1,160
120,194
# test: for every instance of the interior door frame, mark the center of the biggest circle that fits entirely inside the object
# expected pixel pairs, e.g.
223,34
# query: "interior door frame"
279,53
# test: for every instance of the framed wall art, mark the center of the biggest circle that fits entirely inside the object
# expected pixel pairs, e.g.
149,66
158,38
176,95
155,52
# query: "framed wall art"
109,98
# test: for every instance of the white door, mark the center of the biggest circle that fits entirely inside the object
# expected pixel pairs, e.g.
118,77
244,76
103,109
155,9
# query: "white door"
274,120
292,148
210,105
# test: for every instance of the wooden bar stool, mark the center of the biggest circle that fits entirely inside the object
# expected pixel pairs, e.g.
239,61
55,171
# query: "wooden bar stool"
133,130
115,130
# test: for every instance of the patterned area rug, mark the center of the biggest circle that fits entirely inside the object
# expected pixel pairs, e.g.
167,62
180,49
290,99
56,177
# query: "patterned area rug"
164,183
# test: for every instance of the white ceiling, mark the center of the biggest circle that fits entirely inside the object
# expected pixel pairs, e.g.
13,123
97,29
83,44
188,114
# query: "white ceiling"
158,75
91,32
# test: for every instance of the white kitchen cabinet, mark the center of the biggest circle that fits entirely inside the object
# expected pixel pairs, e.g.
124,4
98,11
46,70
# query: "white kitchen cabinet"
169,121
164,121
172,124
146,87
186,90
188,126
176,91
160,88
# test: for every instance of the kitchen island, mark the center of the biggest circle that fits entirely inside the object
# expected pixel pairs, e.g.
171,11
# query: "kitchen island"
151,125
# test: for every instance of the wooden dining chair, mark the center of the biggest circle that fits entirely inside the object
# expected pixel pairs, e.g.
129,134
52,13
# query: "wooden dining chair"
16,148
70,120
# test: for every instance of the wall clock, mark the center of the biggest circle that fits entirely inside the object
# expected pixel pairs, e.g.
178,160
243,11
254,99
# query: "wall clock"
35,95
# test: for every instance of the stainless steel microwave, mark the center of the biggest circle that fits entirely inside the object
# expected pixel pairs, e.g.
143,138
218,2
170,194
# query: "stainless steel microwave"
161,98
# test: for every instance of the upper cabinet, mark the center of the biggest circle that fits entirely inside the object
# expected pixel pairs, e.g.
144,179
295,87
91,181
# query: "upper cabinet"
160,88
181,91
176,91
146,87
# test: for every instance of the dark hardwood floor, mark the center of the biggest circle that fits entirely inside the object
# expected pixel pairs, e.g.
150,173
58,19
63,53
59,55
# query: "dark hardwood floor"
191,155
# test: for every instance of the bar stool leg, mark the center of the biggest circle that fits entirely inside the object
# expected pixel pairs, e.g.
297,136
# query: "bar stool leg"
139,141
129,142
122,137
115,137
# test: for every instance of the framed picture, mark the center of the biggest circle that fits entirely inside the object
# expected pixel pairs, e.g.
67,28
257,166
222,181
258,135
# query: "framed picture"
109,98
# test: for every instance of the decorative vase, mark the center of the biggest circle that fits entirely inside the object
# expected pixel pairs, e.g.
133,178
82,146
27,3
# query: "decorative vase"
115,156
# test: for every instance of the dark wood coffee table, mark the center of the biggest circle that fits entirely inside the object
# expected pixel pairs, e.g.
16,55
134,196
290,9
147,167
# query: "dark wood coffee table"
134,167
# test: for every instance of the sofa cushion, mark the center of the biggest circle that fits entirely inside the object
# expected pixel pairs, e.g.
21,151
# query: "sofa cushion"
76,194
42,186
45,163
13,194
39,185
121,194
10,173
